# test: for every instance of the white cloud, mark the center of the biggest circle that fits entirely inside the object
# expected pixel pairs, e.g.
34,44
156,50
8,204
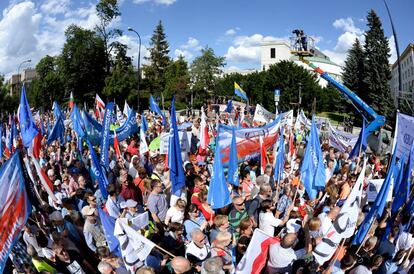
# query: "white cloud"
185,53
188,49
192,43
159,2
247,48
18,26
347,24
55,6
345,40
391,43
30,31
232,31
133,48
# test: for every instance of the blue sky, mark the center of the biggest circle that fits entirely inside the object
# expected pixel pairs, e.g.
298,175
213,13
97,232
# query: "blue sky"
235,29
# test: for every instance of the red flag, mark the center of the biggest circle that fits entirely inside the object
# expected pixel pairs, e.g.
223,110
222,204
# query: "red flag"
262,156
291,145
116,146
37,145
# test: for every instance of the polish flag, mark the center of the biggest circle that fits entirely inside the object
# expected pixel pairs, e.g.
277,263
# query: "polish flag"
34,149
255,258
204,136
292,149
116,146
262,156
99,106
44,179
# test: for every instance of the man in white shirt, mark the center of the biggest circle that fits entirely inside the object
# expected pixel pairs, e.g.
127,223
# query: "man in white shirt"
198,250
282,255
327,219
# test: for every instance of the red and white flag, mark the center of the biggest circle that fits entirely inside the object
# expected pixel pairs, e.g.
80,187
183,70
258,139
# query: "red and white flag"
99,107
204,136
34,149
116,146
262,156
71,101
255,258
44,180
292,149
344,225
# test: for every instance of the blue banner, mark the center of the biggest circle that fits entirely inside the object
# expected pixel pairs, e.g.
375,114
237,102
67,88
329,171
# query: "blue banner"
15,206
97,171
105,134
128,128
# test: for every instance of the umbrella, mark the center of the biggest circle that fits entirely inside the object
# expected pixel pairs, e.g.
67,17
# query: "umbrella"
155,144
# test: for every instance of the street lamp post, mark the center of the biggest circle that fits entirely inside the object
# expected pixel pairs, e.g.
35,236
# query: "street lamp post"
18,72
139,64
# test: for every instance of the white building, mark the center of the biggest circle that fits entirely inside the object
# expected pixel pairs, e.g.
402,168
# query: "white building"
407,76
275,51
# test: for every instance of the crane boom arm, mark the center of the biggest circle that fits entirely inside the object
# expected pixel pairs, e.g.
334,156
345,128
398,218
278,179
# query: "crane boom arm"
374,121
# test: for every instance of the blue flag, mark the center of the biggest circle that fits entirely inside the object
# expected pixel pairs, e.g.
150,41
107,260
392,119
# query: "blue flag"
15,206
105,134
312,169
361,144
57,132
218,193
28,128
42,128
56,110
144,123
399,173
1,142
378,207
97,171
175,161
78,125
229,107
108,225
280,158
403,192
233,173
155,108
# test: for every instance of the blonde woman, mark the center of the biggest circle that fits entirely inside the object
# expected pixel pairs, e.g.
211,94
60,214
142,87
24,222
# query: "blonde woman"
175,214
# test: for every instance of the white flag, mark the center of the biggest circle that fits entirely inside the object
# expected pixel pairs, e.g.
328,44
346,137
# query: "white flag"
256,254
344,225
135,248
126,109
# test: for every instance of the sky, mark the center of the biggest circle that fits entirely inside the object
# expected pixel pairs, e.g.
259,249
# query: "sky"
31,29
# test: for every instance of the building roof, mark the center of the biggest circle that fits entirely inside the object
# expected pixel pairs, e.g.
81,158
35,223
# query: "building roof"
316,59
407,50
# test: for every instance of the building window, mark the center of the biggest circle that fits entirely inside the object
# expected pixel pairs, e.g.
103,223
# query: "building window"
272,53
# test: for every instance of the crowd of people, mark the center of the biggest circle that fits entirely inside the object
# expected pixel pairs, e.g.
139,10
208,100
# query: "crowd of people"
65,235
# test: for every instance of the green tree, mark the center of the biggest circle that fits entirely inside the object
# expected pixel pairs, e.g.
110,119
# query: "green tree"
48,85
7,103
108,11
353,73
177,80
289,78
82,63
158,61
377,70
121,84
204,72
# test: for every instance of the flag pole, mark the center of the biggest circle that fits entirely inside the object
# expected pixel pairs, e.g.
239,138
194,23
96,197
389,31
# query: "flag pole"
165,251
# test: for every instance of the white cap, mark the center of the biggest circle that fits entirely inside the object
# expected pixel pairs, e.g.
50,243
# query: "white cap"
292,226
56,216
88,211
130,203
57,182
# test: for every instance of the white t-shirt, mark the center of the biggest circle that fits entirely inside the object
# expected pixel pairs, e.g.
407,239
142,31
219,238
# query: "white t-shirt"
280,257
175,215
268,222
326,224
404,242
